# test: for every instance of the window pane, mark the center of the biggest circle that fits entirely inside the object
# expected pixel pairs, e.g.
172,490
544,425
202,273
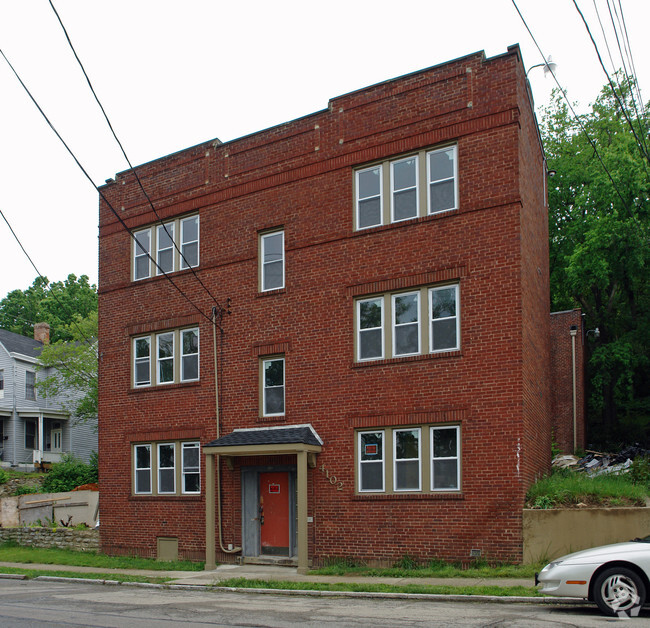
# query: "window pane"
142,348
443,302
190,341
273,275
274,400
405,204
445,443
273,247
166,261
166,481
370,344
192,483
166,456
443,334
407,444
141,267
441,164
442,196
190,229
190,365
404,173
406,339
191,254
143,481
142,457
142,372
370,314
274,372
369,182
165,236
142,242
369,213
190,457
166,371
406,308
190,241
372,476
165,345
372,446
407,475
445,474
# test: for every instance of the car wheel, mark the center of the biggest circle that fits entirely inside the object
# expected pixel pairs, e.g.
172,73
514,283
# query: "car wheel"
619,591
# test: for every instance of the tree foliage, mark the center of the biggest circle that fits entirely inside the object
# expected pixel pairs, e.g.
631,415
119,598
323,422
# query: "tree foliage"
74,364
599,219
54,303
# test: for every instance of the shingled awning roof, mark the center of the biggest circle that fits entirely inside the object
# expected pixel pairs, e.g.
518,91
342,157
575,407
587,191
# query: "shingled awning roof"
265,440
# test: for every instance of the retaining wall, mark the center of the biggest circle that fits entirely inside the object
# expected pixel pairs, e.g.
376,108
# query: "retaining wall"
61,538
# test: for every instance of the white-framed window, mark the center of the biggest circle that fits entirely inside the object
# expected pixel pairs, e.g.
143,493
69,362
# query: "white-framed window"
170,365
369,207
389,325
406,187
371,461
189,355
407,470
408,459
166,468
445,323
166,248
406,323
30,385
445,463
273,386
272,260
142,361
165,358
191,468
156,472
370,326
2,383
442,179
142,462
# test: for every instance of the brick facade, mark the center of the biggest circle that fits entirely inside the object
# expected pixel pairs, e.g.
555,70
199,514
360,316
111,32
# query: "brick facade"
299,177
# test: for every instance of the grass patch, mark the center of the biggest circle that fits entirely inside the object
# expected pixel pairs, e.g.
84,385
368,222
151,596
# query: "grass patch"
564,489
34,573
243,583
435,569
12,553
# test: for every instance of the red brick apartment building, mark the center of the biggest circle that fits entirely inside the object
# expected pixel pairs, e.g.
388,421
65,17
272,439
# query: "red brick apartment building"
380,350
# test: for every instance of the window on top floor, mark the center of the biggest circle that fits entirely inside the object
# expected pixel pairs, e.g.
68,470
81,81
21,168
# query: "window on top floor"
272,260
408,187
401,324
30,385
2,383
166,248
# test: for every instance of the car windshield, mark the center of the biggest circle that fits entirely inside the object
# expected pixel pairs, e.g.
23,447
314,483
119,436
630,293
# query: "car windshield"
645,539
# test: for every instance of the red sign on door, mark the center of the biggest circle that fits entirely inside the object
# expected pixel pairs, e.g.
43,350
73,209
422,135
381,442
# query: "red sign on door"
274,488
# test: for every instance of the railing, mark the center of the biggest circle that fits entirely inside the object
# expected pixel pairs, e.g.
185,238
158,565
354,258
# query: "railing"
46,456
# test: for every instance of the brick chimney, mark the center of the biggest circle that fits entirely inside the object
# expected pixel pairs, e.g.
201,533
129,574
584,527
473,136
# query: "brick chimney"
42,333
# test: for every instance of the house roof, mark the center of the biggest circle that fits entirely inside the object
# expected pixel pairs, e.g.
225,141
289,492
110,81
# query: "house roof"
15,343
290,435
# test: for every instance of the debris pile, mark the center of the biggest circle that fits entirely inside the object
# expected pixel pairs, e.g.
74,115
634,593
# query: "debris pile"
598,463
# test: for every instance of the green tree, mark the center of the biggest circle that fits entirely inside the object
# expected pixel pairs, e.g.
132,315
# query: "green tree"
74,361
600,252
54,303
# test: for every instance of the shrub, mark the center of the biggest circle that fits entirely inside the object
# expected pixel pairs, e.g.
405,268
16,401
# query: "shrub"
25,490
640,471
3,476
68,474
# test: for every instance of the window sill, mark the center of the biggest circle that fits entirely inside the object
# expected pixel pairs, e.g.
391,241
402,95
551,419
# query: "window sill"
270,293
175,273
408,221
457,353
452,495
159,387
167,498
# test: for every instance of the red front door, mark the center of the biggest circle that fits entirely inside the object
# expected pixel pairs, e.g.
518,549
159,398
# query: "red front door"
274,513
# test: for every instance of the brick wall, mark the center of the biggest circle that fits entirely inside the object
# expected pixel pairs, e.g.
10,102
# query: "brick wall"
299,176
562,374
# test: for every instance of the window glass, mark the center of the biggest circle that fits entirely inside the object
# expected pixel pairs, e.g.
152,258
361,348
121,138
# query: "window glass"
165,239
405,194
143,468
442,180
444,318
273,386
369,197
30,382
142,365
191,468
166,468
190,354
371,461
273,261
142,248
165,358
2,383
406,331
190,241
407,460
31,435
371,337
444,469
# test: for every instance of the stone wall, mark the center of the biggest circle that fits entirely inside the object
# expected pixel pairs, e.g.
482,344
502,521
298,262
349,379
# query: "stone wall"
61,538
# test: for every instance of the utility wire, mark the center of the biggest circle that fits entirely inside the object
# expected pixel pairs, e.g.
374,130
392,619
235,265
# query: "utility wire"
575,115
101,194
137,178
644,152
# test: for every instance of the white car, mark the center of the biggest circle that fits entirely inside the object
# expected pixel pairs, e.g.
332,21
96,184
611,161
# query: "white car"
616,577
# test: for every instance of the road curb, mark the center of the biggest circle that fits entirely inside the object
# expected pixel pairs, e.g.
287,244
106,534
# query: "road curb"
432,597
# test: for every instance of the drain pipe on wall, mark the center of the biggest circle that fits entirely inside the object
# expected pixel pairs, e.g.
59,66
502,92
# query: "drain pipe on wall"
573,331
235,550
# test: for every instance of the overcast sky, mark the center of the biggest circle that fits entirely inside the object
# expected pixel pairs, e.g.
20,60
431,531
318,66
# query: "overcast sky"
172,74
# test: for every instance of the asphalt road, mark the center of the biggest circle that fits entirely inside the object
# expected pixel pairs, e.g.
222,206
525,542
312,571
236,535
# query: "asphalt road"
25,603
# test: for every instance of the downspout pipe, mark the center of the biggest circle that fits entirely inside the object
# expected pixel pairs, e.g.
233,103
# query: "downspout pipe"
574,331
235,550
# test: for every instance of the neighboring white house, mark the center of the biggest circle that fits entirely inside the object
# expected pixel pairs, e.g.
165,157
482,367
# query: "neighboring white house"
35,429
